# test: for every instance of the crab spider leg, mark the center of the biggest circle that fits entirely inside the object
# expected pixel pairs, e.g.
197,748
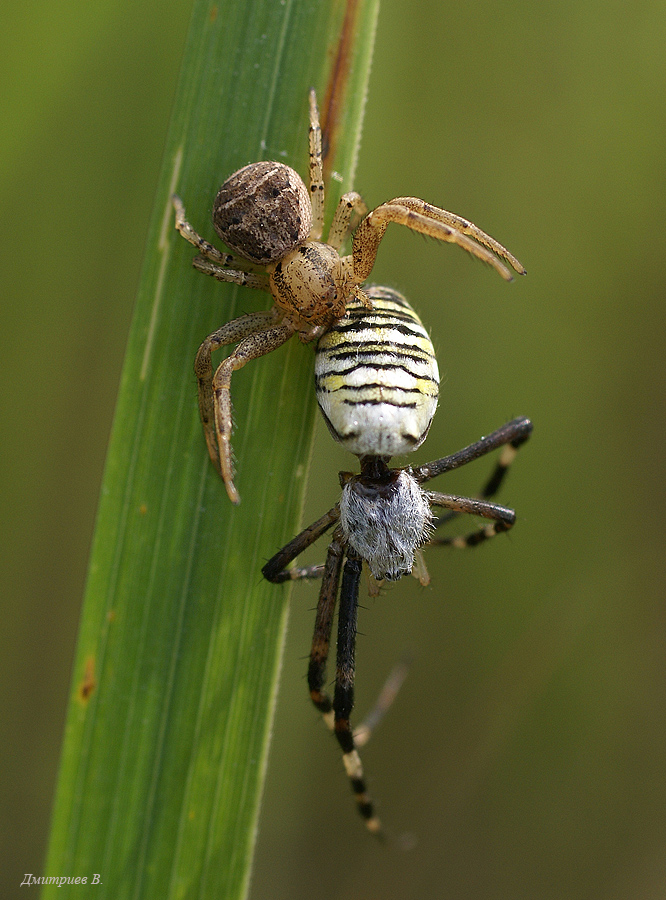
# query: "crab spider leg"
230,333
371,230
250,348
234,276
350,204
223,260
259,336
316,172
462,225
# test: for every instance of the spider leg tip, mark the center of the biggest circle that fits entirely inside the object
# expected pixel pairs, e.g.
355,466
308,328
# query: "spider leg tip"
232,493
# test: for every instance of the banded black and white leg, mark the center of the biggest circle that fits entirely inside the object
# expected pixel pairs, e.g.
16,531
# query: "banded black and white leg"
343,579
343,694
509,438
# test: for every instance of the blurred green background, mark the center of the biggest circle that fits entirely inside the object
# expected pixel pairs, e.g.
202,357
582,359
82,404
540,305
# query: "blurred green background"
527,751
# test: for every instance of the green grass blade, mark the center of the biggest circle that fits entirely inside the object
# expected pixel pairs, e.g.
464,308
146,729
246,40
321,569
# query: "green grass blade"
180,639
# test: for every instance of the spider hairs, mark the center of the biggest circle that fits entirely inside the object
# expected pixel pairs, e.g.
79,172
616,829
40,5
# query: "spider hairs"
274,225
377,384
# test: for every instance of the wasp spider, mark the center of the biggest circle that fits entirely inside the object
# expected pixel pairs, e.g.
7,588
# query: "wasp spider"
274,225
377,385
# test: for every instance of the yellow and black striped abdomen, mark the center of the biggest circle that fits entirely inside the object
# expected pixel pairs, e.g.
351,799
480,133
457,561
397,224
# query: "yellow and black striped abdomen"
376,377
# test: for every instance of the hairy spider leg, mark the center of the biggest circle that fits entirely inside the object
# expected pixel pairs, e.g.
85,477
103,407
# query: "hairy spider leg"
223,266
462,225
255,280
276,570
317,191
350,208
321,638
258,335
429,220
493,484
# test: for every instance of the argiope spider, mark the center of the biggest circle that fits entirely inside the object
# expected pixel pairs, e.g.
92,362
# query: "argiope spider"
265,214
377,384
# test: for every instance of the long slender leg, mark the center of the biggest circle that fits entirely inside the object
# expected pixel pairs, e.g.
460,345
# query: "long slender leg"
371,230
503,518
207,250
388,693
350,205
316,172
232,276
510,437
321,639
276,569
515,432
343,697
462,225
214,392
506,458
494,483
230,333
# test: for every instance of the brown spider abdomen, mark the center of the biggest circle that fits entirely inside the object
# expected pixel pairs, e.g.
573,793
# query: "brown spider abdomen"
263,211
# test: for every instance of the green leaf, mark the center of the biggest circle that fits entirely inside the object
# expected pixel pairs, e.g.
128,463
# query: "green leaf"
180,639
